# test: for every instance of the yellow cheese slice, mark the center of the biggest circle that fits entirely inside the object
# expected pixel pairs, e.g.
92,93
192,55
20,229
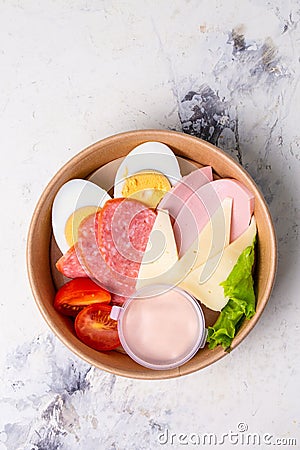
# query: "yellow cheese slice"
204,281
161,252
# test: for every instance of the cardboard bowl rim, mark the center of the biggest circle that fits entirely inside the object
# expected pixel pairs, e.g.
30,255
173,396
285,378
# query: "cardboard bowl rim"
146,134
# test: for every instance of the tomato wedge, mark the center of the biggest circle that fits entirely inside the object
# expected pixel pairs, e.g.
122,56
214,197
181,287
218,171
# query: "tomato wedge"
96,329
78,293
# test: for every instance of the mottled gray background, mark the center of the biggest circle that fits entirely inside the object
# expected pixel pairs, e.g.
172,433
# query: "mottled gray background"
73,72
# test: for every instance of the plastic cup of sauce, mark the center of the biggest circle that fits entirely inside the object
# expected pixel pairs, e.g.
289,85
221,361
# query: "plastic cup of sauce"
160,327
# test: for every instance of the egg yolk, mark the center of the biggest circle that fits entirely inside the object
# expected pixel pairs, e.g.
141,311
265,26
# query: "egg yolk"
147,187
73,222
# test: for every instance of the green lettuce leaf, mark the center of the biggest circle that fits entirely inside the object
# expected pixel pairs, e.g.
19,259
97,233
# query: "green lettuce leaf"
239,288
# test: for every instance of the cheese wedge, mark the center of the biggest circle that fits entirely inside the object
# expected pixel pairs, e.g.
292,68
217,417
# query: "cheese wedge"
204,281
161,252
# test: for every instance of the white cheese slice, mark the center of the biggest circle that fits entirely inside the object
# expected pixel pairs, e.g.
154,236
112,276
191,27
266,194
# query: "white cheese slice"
212,240
161,252
204,281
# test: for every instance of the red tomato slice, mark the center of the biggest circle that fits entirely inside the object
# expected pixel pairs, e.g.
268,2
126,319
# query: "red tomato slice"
96,329
78,293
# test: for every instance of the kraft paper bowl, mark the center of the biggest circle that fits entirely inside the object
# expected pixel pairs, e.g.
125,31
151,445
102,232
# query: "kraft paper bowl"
82,166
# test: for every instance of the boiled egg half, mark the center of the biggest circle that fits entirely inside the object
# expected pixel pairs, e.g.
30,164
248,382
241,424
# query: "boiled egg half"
74,201
147,173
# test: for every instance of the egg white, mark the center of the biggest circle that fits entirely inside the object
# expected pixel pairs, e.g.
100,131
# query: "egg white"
148,156
71,196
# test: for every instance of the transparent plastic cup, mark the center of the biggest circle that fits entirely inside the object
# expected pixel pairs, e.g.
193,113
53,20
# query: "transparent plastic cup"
160,326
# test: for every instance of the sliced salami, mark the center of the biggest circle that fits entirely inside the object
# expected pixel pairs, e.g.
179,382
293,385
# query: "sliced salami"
117,300
124,227
69,264
110,246
90,257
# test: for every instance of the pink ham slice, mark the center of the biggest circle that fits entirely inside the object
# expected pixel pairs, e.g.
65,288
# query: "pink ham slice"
174,200
203,203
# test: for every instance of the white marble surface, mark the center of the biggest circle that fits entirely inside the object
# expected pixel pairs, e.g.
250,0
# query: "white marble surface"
73,72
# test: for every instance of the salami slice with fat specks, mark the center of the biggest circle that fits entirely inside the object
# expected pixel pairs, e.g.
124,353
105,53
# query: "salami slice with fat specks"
117,300
110,246
69,264
90,257
124,227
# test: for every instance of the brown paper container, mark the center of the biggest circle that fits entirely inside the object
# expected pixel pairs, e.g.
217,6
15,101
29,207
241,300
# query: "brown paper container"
84,164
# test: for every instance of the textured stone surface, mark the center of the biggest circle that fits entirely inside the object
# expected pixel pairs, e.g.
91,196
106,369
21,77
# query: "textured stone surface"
73,72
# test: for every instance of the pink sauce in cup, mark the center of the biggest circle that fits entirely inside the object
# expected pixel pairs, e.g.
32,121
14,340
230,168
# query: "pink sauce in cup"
160,327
